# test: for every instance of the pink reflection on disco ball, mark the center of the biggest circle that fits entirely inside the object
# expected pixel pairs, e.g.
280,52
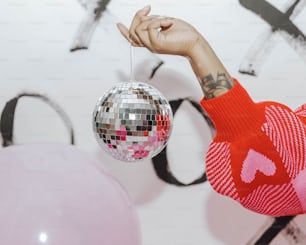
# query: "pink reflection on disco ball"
132,121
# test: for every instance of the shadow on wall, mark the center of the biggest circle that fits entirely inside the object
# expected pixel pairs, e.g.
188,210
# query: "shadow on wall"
229,222
138,178
232,224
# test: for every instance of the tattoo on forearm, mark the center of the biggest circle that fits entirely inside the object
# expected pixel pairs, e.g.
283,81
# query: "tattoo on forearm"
214,87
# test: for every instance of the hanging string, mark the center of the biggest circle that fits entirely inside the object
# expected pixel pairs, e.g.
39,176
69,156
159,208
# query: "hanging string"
132,78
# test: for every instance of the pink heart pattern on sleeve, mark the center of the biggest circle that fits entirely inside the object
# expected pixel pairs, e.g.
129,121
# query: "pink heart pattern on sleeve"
258,154
254,162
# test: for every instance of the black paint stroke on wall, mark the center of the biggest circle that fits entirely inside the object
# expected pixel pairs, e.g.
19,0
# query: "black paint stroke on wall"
280,225
280,23
160,162
7,117
94,12
270,230
154,70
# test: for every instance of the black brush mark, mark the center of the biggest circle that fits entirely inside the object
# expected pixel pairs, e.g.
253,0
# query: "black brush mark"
101,7
278,225
274,17
8,115
279,23
94,12
154,70
160,161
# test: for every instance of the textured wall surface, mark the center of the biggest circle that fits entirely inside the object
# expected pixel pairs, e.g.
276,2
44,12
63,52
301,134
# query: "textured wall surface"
262,44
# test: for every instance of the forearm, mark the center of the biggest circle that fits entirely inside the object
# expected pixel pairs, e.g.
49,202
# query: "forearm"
213,78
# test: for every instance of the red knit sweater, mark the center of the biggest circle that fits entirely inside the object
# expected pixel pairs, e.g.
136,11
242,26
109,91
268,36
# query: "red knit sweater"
258,154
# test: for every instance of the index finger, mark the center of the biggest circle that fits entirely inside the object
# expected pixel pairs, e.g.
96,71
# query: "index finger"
139,14
135,22
129,34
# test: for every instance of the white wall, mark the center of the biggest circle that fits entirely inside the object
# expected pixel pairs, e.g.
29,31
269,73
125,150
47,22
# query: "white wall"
34,56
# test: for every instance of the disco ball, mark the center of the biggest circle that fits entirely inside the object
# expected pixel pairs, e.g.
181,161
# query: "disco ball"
132,121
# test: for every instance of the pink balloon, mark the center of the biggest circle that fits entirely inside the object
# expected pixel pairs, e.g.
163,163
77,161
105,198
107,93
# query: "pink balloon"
55,194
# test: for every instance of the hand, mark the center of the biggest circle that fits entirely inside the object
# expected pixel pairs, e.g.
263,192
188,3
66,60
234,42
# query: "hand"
163,35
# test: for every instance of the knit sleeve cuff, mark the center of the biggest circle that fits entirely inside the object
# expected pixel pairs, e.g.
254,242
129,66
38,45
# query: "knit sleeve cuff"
233,113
